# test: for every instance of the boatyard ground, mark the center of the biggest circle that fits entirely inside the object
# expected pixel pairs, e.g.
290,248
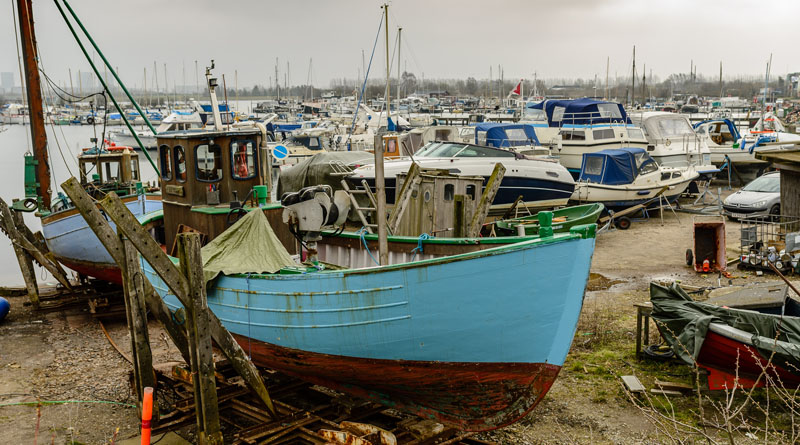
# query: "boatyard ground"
65,356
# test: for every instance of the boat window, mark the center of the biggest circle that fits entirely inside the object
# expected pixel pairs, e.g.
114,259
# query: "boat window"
664,176
391,146
571,134
535,114
635,133
605,133
481,138
476,151
471,192
180,163
440,150
558,114
676,174
112,171
244,159
134,169
516,134
700,130
593,165
449,192
610,111
209,162
670,128
313,143
165,162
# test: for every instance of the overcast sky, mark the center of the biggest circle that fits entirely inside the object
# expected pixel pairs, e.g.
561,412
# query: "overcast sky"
441,38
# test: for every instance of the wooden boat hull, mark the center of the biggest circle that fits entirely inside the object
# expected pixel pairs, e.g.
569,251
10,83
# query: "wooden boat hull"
439,338
726,357
576,215
76,246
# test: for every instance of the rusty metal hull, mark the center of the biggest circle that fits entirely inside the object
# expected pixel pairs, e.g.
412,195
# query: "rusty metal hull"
472,340
471,396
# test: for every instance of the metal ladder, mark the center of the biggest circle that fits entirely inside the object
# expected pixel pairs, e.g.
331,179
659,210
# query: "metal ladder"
363,190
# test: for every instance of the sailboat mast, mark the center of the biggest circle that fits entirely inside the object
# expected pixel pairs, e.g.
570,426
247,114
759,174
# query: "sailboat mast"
633,78
34,93
399,43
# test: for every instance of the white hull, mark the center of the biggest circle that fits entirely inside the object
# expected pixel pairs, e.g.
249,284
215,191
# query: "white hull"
642,189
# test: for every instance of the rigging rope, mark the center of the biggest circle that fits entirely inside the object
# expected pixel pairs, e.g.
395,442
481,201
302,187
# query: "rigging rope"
418,249
361,233
17,31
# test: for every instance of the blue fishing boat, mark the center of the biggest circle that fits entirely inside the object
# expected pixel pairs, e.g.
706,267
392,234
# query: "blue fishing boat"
462,331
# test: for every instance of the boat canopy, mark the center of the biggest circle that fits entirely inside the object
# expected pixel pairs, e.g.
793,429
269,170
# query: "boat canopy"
731,127
615,166
582,112
495,134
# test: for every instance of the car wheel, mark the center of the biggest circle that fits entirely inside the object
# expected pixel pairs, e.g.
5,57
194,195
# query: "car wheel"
775,212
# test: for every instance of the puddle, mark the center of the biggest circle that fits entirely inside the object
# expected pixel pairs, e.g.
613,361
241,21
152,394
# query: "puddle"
600,282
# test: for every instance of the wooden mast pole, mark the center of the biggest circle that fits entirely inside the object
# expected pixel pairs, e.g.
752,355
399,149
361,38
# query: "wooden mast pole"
34,93
380,188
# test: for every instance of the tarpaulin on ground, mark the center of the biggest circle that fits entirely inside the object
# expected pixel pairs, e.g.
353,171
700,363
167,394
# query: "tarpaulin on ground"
320,169
248,246
684,324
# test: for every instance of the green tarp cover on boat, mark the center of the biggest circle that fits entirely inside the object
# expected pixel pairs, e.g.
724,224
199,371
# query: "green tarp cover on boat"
248,246
684,323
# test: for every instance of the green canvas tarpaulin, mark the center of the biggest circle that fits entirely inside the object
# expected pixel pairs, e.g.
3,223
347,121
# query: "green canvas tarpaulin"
248,246
320,169
684,323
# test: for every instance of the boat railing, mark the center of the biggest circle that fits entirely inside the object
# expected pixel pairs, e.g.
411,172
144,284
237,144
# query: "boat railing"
600,117
339,168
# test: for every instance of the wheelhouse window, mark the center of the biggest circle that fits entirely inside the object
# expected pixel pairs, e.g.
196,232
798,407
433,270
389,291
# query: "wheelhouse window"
635,133
243,159
593,166
516,135
165,163
209,162
134,169
449,192
180,163
112,172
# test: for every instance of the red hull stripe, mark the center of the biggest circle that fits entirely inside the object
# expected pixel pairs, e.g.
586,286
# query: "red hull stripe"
469,396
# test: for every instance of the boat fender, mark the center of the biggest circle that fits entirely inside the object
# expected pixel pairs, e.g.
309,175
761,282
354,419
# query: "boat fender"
5,307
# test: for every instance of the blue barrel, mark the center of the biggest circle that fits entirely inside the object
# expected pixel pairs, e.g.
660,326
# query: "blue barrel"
4,308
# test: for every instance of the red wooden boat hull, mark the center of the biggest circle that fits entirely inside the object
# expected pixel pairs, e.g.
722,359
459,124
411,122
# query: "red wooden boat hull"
722,356
441,391
107,272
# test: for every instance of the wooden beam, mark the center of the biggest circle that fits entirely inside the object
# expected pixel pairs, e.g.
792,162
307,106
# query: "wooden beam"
25,264
18,239
133,283
178,284
102,229
202,365
489,192
413,179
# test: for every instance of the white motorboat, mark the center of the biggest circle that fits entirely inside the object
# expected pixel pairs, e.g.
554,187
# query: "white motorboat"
621,178
672,141
541,182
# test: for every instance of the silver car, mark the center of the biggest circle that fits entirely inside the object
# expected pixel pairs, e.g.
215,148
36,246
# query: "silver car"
761,196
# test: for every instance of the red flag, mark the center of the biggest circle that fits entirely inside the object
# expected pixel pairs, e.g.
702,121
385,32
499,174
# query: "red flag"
517,89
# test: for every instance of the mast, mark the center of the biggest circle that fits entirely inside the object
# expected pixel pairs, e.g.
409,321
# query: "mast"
380,188
34,93
633,78
608,62
399,42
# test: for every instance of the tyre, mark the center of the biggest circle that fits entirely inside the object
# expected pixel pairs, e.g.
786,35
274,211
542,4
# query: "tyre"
689,257
775,212
622,223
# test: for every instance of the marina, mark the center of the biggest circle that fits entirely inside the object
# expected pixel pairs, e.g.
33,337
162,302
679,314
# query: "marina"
389,260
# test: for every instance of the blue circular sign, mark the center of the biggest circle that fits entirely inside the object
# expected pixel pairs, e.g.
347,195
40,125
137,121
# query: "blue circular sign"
280,152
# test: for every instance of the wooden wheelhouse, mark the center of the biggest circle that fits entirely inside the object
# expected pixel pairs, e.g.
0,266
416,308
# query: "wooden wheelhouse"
208,177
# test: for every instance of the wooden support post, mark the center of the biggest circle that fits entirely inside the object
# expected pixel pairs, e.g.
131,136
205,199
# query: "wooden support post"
202,365
99,225
177,283
487,197
132,280
25,263
20,240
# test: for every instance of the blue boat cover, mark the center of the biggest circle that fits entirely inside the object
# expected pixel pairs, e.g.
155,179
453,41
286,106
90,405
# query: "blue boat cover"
613,166
731,127
584,111
497,136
